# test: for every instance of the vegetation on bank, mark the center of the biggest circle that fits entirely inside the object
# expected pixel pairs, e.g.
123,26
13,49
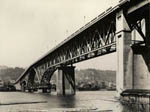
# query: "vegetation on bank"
8,76
93,79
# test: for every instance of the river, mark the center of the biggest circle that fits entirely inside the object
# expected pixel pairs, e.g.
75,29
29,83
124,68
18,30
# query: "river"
85,101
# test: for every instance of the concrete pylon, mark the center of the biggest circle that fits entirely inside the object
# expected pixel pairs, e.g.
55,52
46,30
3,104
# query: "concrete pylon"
66,81
124,54
133,61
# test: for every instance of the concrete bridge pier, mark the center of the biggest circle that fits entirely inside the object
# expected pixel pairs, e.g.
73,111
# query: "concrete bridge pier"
124,54
66,80
133,61
30,81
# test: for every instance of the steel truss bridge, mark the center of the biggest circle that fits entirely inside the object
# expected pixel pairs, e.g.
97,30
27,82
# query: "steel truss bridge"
96,38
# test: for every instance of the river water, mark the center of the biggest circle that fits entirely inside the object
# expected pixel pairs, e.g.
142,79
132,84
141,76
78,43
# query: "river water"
84,101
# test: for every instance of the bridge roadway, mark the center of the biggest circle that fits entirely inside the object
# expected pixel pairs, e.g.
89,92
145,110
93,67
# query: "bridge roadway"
113,30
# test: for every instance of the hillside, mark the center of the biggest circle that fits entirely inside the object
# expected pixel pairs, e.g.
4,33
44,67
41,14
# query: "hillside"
96,75
3,67
8,73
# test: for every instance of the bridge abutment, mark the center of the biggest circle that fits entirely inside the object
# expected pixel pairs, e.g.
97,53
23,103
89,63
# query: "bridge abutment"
66,81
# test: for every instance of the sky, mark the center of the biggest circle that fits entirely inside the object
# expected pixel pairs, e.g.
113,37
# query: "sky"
30,28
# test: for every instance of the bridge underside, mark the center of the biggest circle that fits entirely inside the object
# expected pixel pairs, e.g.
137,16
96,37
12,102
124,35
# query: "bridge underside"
124,28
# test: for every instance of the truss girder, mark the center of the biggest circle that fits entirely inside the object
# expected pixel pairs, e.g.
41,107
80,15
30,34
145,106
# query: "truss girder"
135,22
99,39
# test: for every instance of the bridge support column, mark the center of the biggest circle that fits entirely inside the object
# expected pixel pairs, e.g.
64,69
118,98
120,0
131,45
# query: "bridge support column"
30,82
124,54
133,71
66,81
